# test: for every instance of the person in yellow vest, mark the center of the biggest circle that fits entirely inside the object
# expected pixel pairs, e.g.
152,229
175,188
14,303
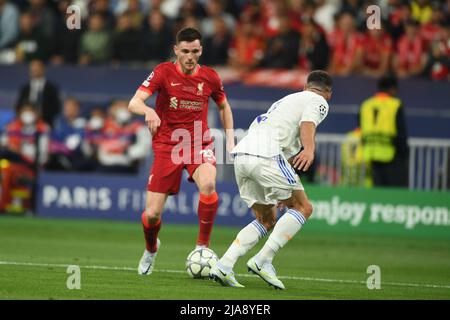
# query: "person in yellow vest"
384,135
355,170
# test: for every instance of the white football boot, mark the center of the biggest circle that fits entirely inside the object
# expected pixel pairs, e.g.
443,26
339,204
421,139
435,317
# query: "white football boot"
225,279
148,261
266,272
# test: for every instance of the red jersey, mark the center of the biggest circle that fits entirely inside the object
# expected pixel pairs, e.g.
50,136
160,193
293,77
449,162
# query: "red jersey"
374,48
182,101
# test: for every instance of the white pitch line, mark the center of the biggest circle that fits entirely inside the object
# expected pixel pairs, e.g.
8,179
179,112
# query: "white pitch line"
401,284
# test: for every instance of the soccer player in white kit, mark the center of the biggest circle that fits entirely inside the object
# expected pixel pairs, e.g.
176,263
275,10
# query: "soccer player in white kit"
264,163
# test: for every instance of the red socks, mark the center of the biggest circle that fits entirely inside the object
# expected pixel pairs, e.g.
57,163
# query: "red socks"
151,234
207,209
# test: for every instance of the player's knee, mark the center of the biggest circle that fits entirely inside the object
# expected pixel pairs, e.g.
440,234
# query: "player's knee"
267,221
152,215
305,208
207,186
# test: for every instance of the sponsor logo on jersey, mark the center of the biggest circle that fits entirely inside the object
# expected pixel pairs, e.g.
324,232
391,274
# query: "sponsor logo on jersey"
173,103
173,84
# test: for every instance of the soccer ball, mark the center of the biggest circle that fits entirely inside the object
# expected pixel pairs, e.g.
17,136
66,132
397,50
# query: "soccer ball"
199,262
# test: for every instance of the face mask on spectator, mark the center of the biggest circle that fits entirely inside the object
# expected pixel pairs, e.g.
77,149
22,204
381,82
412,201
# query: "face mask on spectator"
28,117
96,123
122,116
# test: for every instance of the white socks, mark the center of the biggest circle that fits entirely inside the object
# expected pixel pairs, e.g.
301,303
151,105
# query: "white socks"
246,239
285,229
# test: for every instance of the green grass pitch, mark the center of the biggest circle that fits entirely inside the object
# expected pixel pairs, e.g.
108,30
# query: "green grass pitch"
316,264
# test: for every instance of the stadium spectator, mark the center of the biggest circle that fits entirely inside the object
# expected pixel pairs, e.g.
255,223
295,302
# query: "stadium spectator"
26,138
400,13
410,57
31,43
96,42
9,24
216,45
438,61
23,141
102,8
314,52
346,44
43,17
136,14
352,7
384,135
121,6
377,50
66,138
157,34
215,9
188,21
125,141
40,92
93,138
127,41
191,8
324,13
430,30
66,45
421,11
282,49
247,47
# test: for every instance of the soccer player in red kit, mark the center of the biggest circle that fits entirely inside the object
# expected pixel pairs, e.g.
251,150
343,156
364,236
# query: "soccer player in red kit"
181,138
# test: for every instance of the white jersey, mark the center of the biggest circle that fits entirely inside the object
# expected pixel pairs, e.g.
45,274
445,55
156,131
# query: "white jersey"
277,132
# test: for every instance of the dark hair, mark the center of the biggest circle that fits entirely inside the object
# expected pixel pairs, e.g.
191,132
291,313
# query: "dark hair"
320,79
188,34
387,83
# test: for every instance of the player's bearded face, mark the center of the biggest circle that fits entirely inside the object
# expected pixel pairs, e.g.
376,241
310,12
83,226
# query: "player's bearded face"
188,54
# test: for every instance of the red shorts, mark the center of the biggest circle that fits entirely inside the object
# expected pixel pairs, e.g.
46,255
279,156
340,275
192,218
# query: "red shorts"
168,165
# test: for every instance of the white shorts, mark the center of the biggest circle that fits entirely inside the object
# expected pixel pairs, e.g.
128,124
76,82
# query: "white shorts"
265,180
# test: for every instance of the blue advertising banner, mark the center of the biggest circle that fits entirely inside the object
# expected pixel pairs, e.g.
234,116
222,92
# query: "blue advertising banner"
123,198
381,211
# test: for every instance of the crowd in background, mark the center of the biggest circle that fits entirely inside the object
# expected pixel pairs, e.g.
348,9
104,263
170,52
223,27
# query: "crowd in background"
414,39
64,138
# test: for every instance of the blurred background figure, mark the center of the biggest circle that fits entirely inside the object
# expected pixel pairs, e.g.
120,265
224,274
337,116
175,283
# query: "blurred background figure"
9,24
282,49
96,42
247,47
66,139
377,51
157,34
410,57
314,52
384,135
40,92
25,140
66,42
23,150
216,45
126,41
93,138
125,142
346,44
438,59
31,42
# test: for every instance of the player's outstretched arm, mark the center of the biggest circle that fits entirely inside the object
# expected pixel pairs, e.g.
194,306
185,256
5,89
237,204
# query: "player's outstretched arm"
226,117
305,158
137,106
